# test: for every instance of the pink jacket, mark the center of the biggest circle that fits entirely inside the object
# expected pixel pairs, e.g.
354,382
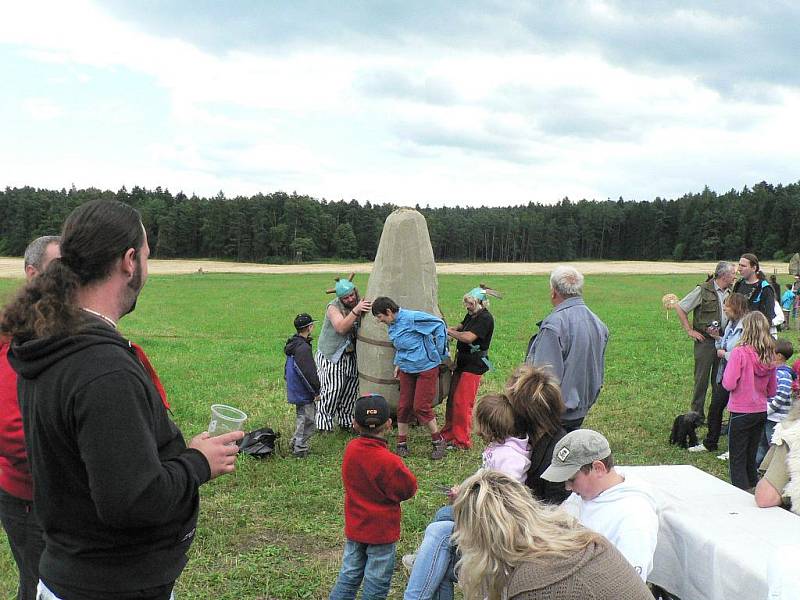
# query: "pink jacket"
749,381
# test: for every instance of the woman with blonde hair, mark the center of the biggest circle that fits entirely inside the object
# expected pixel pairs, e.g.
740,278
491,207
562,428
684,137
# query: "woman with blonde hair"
750,378
513,547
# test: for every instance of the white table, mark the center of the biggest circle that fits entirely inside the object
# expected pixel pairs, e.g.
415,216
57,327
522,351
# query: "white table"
714,543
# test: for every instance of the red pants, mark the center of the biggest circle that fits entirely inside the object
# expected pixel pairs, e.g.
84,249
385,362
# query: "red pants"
460,400
417,391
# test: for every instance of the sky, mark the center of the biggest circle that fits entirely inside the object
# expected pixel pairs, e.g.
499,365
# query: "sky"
462,103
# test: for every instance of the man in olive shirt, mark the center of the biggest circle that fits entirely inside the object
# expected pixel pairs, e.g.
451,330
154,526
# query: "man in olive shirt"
705,303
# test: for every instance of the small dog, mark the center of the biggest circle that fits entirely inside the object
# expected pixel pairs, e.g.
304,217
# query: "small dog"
684,430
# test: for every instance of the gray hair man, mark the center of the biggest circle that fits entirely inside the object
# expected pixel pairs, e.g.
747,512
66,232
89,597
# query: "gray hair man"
25,537
571,343
705,302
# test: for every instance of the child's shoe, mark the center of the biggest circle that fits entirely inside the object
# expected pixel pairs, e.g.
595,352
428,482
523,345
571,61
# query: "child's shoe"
439,449
402,450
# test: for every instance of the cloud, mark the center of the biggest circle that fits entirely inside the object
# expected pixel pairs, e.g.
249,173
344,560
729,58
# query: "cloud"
41,109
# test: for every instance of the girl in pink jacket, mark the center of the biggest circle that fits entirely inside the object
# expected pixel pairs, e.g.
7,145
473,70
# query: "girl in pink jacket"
750,379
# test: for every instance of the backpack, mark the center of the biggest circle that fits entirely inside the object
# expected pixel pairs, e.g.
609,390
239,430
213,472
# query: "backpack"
259,443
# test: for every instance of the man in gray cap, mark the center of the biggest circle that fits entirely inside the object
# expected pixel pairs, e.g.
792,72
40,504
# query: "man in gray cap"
603,499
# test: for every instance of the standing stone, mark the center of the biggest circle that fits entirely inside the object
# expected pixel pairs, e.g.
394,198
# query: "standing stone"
404,270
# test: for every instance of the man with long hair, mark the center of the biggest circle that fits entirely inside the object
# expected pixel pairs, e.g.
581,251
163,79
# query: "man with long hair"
116,489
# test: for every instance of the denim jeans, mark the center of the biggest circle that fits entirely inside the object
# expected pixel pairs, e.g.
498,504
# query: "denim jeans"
766,440
374,563
26,540
432,576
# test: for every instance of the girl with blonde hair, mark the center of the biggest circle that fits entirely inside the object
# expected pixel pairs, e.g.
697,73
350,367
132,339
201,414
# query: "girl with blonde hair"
750,378
513,547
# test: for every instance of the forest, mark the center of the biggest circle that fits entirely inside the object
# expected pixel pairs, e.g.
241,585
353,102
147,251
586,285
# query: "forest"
280,227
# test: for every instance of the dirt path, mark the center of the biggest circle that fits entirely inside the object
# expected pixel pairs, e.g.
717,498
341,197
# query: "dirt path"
12,267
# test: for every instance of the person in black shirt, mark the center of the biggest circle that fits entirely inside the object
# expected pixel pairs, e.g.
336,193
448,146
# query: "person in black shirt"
474,336
754,286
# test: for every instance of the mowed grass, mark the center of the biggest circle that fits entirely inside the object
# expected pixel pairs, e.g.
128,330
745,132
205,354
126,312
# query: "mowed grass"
274,529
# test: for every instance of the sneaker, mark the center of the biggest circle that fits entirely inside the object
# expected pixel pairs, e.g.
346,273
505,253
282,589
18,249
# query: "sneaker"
439,450
724,455
698,448
408,561
402,450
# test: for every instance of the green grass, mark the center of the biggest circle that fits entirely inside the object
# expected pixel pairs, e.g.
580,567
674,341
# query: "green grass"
274,529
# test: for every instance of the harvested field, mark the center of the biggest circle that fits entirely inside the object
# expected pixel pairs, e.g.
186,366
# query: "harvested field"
12,267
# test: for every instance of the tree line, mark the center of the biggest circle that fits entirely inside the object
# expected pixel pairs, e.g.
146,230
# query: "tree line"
281,227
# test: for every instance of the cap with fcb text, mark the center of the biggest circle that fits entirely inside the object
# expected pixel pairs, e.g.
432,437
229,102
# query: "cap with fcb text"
371,411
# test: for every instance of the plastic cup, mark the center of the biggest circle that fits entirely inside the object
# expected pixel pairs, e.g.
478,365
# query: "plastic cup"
224,419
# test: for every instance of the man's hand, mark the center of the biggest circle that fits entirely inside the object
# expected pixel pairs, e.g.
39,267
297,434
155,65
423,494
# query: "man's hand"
363,307
220,451
396,372
720,353
695,335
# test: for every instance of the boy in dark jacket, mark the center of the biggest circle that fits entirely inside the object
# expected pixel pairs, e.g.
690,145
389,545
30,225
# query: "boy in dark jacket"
375,482
302,382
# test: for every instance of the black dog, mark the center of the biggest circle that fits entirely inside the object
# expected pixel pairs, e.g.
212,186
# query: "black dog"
684,430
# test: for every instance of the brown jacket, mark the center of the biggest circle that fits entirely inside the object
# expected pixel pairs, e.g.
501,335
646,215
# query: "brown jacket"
599,572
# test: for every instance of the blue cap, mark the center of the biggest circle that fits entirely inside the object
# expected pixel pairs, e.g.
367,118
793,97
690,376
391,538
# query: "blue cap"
344,287
477,293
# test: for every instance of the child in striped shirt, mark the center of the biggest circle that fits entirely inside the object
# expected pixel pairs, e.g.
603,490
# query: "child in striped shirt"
779,404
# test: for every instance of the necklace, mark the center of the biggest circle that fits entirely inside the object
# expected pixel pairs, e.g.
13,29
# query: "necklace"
100,315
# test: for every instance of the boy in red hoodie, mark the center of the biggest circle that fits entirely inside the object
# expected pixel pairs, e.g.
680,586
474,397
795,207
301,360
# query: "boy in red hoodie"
375,482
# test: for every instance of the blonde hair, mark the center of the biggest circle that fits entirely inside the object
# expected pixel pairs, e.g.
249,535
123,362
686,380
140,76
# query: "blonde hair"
755,333
499,525
494,418
536,398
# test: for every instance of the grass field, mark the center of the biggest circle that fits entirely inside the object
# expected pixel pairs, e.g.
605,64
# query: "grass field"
274,529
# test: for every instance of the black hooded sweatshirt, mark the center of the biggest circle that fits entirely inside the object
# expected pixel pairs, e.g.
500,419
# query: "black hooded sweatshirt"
115,487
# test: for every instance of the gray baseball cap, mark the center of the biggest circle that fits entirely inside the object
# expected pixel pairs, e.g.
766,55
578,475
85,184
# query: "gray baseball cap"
577,448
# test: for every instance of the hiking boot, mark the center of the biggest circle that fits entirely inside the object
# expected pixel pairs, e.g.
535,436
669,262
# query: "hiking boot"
408,561
439,450
402,450
698,448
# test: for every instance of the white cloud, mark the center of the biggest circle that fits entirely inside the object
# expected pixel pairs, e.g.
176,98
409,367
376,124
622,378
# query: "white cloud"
41,109
407,121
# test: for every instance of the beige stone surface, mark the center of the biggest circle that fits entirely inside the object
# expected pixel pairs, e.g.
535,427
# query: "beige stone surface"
405,271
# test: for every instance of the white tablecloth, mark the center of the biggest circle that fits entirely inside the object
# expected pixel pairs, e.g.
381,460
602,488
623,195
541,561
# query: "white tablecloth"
714,543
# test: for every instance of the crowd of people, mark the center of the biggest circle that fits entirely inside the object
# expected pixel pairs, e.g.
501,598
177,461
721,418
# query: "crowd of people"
734,330
546,514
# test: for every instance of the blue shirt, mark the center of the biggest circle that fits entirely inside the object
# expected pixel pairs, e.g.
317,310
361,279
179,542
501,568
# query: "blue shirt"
787,300
419,339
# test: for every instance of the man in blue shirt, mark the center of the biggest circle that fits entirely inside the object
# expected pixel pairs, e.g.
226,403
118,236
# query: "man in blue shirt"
420,342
